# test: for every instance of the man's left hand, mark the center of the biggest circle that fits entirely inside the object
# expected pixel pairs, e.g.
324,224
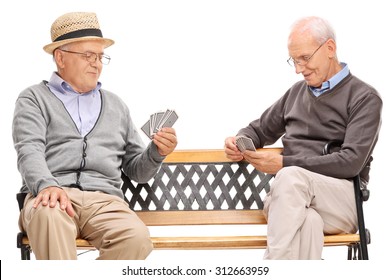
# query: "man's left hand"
267,162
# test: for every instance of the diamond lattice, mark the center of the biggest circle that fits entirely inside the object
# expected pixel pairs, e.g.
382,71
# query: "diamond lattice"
200,187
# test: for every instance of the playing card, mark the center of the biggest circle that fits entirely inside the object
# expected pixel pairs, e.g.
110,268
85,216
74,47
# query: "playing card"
168,120
146,128
159,120
244,143
157,125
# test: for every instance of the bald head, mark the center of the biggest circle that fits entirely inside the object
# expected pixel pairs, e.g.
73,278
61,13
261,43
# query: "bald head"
316,28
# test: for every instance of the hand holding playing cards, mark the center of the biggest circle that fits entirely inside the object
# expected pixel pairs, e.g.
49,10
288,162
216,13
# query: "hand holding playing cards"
235,146
231,150
267,162
165,140
159,129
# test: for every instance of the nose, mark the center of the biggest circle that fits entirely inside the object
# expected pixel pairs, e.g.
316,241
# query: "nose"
298,68
94,60
95,57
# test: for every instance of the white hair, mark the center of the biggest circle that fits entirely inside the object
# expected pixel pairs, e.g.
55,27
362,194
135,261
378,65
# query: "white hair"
318,27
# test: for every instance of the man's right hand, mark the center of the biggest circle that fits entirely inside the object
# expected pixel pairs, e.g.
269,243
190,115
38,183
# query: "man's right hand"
231,150
49,197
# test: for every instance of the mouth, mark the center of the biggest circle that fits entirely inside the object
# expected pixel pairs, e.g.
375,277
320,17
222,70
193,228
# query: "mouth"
306,75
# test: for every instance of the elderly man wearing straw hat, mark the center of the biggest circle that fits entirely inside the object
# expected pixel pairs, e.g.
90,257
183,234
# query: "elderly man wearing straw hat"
72,139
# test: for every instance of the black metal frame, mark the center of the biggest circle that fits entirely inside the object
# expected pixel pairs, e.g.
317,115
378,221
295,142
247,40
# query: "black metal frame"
25,250
361,194
179,190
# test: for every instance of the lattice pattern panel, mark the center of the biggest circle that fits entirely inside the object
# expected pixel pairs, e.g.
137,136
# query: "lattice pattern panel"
205,186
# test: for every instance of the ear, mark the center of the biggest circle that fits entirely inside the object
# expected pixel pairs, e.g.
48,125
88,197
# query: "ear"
331,48
58,58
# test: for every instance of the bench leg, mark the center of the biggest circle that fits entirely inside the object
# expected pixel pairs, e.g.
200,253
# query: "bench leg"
25,250
363,232
354,251
349,256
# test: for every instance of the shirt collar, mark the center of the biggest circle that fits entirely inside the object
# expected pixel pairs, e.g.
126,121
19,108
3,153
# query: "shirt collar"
332,82
60,85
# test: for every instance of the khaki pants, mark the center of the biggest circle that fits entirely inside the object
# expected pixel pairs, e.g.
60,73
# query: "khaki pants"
104,220
300,207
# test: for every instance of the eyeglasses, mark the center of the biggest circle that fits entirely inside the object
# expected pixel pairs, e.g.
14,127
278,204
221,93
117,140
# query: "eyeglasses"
304,59
83,161
92,57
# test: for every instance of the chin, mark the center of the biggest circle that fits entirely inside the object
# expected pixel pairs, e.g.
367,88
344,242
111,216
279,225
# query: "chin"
311,84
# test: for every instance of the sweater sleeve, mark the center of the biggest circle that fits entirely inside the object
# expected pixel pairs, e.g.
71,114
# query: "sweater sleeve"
269,127
139,163
28,131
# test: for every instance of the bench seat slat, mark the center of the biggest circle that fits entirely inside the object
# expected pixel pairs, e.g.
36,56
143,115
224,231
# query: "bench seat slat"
199,156
206,217
220,242
236,242
210,242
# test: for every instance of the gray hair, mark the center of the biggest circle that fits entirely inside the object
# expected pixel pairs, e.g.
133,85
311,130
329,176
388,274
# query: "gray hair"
318,27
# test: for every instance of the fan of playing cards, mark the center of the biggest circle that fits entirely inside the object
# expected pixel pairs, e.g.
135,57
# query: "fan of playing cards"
244,143
159,120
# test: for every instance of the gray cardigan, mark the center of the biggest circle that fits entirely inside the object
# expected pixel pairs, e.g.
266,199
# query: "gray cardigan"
51,151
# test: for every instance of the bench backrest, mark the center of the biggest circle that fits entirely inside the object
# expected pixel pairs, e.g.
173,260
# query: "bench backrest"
215,190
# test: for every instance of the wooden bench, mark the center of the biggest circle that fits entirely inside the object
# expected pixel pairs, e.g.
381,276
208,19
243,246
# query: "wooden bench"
203,187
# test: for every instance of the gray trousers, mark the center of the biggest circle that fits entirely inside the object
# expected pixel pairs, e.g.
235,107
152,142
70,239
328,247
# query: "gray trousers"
104,220
300,207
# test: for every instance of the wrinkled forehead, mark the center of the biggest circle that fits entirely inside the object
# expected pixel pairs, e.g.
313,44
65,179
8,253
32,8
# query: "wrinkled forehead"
299,43
88,45
300,36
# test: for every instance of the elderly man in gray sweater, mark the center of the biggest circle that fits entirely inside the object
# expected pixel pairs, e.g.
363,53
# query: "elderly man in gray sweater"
73,139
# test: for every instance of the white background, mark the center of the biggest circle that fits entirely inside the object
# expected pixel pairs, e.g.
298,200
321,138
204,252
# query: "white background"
219,64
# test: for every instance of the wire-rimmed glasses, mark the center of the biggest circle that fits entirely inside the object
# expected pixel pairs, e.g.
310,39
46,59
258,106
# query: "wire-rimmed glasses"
302,61
92,57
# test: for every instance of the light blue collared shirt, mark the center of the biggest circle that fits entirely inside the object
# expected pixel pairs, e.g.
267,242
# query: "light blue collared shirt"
83,108
332,82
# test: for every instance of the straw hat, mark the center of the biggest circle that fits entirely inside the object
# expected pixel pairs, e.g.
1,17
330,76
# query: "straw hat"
75,27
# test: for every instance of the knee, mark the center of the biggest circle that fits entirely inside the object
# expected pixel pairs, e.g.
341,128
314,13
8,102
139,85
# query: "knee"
141,241
46,215
290,172
292,181
143,238
133,243
314,220
139,235
49,220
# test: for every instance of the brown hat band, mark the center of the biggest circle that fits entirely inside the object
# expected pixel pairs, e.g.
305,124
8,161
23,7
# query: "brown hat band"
80,33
